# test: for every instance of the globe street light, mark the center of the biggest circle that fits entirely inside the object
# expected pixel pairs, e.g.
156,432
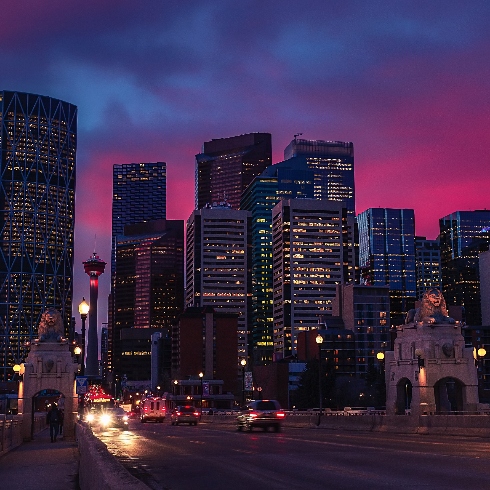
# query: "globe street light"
201,374
83,309
319,341
243,362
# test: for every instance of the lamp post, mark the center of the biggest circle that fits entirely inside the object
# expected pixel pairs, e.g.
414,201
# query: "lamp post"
243,362
319,341
83,309
481,353
201,375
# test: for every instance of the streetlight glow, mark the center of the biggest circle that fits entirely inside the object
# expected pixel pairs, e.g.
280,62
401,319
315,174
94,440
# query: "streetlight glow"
83,308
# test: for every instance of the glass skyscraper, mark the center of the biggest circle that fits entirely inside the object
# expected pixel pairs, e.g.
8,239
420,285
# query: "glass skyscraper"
38,143
139,193
333,165
387,255
463,236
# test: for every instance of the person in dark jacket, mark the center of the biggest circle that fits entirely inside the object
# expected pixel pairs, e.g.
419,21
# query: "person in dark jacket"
53,419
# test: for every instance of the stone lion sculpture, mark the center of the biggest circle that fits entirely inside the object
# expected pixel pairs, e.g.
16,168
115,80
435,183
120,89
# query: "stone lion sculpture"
433,309
51,326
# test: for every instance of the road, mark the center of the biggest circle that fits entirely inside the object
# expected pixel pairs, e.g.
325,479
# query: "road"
212,456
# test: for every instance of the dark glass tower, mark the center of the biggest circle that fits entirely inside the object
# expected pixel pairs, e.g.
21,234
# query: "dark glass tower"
226,166
139,193
463,236
332,163
387,255
38,142
148,291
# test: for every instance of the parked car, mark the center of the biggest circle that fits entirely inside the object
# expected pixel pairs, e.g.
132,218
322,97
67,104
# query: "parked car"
153,409
184,414
261,413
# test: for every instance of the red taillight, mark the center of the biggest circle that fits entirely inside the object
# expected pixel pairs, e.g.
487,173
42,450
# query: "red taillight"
196,413
252,414
280,415
177,413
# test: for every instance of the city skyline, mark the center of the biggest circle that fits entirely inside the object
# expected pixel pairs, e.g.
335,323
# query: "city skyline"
406,85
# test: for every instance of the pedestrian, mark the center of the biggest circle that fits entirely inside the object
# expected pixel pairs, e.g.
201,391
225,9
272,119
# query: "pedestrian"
62,418
53,419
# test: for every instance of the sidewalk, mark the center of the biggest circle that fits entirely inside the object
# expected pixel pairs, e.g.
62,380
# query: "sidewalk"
40,464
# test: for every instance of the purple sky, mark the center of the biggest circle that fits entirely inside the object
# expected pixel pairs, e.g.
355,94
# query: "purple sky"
407,82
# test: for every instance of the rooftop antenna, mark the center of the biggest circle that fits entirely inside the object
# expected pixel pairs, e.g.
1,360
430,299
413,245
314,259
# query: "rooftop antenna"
95,243
297,134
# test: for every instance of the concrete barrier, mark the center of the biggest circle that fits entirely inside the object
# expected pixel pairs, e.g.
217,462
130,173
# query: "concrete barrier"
98,468
11,430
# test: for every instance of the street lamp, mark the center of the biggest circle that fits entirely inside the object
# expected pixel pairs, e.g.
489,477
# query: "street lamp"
83,309
201,374
243,362
319,341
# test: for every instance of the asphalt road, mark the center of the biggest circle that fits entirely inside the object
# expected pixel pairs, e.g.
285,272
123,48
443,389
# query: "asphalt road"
217,457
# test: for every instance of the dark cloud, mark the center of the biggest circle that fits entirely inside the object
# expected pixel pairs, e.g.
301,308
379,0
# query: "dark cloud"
407,82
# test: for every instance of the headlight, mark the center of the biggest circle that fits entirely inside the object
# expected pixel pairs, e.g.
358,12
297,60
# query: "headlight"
125,418
105,419
90,417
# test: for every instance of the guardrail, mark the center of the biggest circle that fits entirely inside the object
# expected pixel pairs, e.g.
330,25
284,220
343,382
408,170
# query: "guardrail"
11,430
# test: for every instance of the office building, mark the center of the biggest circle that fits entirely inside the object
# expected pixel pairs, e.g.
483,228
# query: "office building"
365,311
38,144
387,256
484,263
148,292
204,340
226,166
463,236
139,193
279,181
218,263
312,251
427,265
333,165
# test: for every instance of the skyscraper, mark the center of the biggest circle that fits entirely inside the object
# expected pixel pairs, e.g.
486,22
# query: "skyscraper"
38,143
463,236
279,181
428,264
148,291
387,255
333,165
218,264
226,166
311,252
139,193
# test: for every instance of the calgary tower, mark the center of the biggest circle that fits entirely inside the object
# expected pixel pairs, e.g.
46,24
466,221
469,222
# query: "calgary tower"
94,267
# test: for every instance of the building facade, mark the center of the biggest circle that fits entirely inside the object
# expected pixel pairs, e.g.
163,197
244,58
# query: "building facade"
139,193
463,236
312,251
387,256
226,166
332,163
365,311
277,182
38,144
218,265
427,265
148,292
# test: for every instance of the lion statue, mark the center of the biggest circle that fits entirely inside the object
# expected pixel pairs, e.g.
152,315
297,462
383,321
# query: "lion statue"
51,326
433,309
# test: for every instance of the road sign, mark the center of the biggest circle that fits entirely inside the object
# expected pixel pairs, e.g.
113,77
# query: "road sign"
82,385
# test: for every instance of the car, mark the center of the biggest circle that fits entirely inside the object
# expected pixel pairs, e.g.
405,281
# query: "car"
261,413
184,414
108,417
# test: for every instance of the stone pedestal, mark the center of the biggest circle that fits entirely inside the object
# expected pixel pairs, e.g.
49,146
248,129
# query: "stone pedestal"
49,365
430,371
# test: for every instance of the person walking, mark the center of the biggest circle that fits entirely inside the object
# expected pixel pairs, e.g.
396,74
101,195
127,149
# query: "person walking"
53,419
